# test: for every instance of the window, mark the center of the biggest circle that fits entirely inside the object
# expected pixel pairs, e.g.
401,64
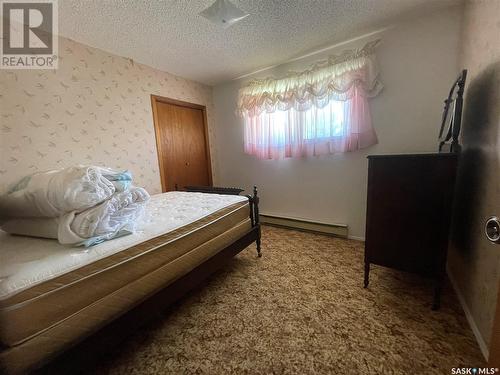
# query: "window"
280,132
316,124
320,111
324,123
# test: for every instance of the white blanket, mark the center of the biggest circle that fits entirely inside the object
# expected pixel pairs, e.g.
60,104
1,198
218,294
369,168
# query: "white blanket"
115,216
53,193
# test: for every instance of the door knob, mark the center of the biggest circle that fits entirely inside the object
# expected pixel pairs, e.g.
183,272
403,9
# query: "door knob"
187,164
492,229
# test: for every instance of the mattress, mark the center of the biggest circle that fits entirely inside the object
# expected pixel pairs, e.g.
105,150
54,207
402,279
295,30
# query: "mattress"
46,285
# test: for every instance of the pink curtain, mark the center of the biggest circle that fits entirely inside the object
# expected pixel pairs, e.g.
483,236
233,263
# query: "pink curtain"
340,126
320,111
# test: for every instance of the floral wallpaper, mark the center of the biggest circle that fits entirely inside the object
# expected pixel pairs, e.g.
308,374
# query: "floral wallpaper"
95,109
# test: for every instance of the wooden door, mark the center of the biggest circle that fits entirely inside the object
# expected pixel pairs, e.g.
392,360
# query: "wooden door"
182,143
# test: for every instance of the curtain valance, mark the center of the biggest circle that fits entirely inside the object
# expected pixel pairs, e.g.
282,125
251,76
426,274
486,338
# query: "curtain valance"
337,78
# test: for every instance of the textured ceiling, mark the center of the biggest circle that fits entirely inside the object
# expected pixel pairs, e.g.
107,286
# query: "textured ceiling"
171,36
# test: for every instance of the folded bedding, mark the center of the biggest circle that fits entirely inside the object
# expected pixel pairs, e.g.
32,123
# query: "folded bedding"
112,218
53,193
77,205
111,215
120,180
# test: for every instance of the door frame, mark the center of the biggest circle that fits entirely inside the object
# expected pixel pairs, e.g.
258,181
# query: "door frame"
155,99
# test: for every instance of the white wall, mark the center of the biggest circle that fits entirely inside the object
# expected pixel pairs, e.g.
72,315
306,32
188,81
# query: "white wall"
418,62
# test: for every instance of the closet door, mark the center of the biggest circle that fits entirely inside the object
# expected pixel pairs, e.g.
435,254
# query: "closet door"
182,142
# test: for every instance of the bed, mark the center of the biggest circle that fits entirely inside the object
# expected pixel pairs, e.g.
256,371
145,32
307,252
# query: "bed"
52,297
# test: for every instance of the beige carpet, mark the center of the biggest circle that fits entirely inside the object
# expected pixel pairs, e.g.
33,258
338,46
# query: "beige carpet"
301,309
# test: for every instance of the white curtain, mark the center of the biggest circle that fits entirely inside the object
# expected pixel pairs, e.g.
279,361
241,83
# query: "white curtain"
320,111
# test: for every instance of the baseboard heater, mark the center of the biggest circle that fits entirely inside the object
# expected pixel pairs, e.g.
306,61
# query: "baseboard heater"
339,230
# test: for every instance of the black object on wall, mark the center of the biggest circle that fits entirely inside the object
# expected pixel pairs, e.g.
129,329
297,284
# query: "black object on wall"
452,116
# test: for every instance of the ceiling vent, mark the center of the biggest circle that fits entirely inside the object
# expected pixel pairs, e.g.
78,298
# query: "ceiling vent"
223,13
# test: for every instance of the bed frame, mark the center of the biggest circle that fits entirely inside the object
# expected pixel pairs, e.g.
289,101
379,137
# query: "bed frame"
86,353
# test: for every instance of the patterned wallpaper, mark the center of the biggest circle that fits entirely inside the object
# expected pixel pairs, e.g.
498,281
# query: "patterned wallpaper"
95,109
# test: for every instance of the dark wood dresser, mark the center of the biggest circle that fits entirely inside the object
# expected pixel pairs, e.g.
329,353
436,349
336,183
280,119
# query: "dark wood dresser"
409,207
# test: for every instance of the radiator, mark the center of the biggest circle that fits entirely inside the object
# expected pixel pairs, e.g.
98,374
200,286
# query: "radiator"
339,230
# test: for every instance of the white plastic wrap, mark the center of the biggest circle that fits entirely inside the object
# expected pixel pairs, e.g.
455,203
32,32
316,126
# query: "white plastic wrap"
120,180
115,216
53,193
